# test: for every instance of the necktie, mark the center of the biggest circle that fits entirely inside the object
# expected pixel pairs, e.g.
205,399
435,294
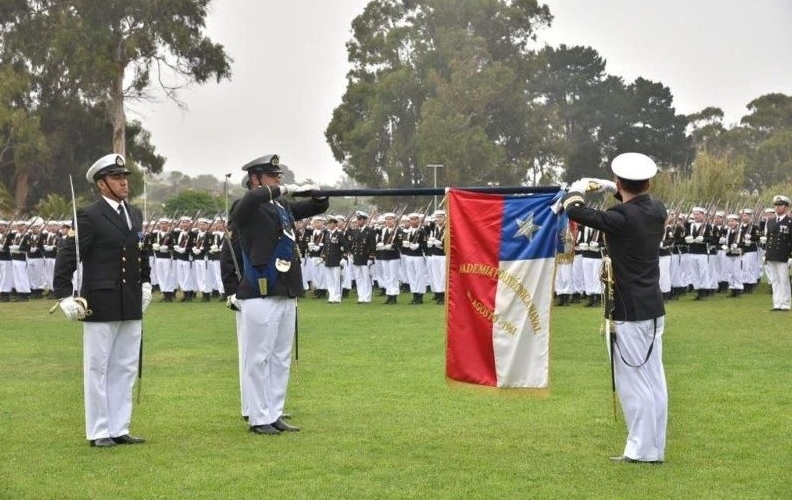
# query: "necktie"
123,215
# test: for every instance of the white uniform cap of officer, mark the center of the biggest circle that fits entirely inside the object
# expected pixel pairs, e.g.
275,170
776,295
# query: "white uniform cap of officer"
780,200
634,167
108,164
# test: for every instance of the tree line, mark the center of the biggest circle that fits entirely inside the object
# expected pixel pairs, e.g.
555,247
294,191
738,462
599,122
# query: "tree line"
458,83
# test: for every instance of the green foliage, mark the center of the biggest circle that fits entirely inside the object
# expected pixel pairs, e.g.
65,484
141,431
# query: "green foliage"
193,202
379,420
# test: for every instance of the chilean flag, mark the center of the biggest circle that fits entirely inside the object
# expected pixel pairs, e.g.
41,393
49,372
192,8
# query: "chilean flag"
500,288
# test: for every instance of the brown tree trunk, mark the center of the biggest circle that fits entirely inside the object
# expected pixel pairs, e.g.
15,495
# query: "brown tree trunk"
117,115
22,190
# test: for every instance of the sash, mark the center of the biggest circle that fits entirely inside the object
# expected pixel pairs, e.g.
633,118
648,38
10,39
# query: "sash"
263,278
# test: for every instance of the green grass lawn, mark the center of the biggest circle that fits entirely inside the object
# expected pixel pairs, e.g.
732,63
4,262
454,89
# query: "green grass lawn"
379,420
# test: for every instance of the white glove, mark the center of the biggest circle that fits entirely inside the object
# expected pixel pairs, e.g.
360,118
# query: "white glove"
196,251
579,186
318,261
413,246
584,246
600,185
74,309
438,243
180,249
722,240
734,246
593,245
763,239
388,247
49,248
431,241
747,238
155,247
33,249
699,239
287,188
146,288
689,239
214,248
164,248
312,247
233,303
14,248
342,263
380,246
405,243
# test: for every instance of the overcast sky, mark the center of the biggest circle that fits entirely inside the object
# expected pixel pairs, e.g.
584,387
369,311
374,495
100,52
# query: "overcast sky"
290,65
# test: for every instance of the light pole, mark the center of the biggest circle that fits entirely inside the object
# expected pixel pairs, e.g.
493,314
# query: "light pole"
225,190
434,168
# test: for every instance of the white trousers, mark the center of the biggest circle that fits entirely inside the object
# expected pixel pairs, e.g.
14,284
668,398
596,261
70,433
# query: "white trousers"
110,365
415,269
591,275
332,279
436,268
390,276
268,325
6,276
563,279
778,275
700,271
734,272
578,283
185,275
21,280
665,273
642,387
362,283
49,272
166,274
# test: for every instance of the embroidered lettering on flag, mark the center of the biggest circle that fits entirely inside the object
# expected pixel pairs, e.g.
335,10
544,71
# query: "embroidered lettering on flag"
500,285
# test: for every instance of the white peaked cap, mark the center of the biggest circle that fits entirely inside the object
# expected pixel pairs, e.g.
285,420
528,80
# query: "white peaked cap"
634,167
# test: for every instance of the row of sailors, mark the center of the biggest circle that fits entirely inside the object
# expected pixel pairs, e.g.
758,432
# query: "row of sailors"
27,256
383,254
696,254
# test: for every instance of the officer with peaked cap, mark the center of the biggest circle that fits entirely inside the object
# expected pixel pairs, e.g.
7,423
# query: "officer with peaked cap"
269,288
778,251
115,291
362,243
633,231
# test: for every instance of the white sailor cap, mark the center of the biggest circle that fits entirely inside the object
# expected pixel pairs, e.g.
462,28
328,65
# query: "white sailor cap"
733,217
332,218
108,164
204,220
747,211
185,218
414,215
698,209
438,212
780,200
360,214
35,221
388,215
720,213
633,167
52,223
318,218
65,223
769,210
4,222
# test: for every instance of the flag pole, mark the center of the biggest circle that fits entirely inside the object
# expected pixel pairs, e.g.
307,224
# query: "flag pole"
427,191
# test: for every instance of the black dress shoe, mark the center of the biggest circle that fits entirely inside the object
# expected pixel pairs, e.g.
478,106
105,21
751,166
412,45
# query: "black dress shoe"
102,443
628,460
284,427
286,416
127,439
264,429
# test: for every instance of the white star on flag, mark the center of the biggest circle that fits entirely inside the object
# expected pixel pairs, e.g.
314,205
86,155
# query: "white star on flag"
526,227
